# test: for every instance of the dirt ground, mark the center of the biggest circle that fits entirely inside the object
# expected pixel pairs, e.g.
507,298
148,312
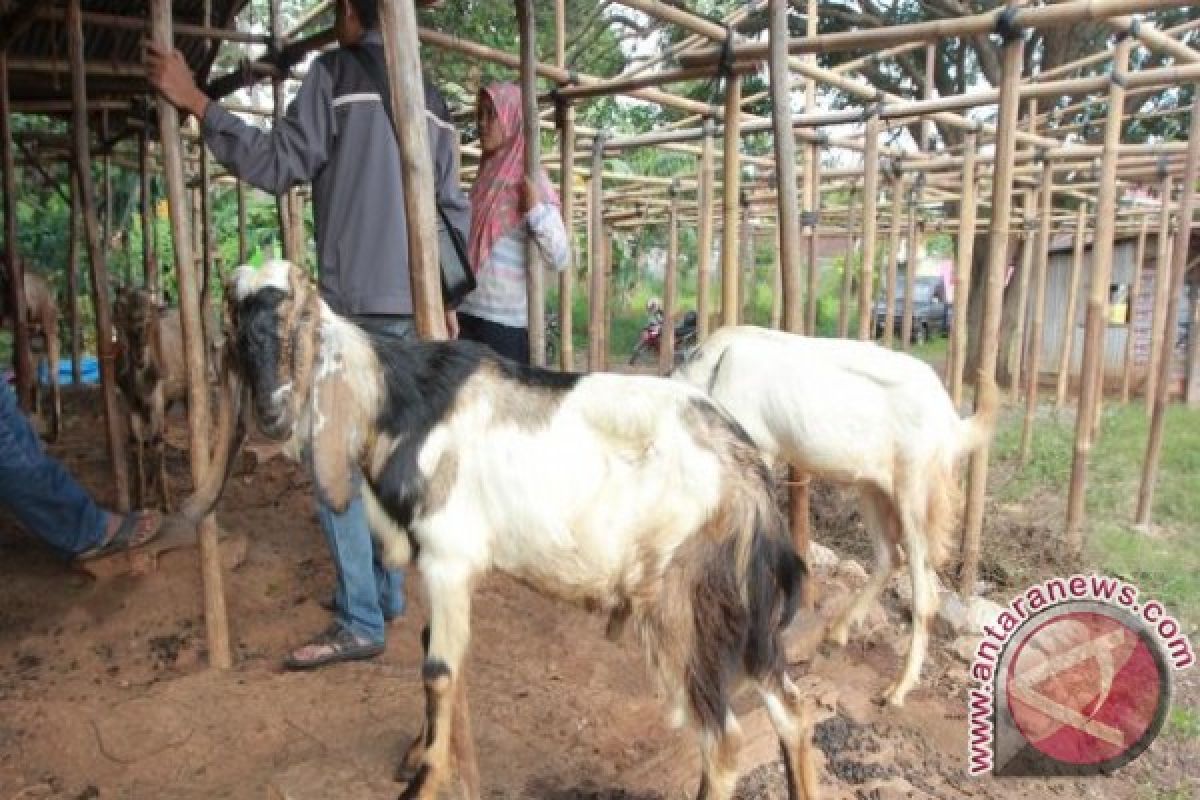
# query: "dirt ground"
104,692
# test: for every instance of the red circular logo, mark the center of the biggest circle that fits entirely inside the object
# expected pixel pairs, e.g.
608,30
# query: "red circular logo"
1087,687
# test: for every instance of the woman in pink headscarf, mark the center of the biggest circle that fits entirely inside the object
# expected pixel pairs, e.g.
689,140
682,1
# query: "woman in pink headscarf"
506,210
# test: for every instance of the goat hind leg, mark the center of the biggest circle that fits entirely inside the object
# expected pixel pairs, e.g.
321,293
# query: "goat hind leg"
164,488
449,630
876,514
719,750
924,602
789,717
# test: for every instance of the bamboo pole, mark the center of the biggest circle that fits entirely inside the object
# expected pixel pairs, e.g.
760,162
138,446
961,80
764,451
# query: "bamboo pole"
98,19
206,242
870,223
22,358
812,202
99,268
704,238
1092,372
1006,125
1063,384
149,261
1135,289
889,313
666,338
566,139
785,158
847,277
910,273
1183,235
964,255
1041,262
76,342
199,421
535,281
106,185
598,308
733,177
1158,334
399,25
1017,349
746,264
283,202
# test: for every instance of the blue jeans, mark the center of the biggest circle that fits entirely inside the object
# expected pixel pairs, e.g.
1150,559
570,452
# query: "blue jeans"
367,594
39,491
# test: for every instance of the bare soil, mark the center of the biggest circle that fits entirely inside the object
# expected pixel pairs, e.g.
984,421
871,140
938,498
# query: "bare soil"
104,691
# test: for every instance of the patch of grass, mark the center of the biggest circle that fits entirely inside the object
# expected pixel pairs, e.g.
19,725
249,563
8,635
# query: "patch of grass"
1183,722
1165,566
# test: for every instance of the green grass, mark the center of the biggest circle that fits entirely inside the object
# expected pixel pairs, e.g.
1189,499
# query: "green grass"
1183,722
1165,565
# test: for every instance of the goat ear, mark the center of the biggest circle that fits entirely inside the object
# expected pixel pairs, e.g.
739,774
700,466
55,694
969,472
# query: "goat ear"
335,443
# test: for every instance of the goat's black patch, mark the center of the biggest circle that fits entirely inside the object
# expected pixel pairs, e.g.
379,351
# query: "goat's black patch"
414,787
258,339
434,668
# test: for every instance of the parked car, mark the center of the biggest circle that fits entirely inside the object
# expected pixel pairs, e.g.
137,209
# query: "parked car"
932,315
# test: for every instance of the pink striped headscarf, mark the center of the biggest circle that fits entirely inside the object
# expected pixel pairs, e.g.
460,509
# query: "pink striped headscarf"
496,196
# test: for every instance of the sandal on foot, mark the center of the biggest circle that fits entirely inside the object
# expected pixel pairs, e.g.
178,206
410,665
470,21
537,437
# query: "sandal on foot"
337,645
127,537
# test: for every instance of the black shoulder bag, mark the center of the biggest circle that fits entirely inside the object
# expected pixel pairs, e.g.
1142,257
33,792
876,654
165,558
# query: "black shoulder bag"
457,278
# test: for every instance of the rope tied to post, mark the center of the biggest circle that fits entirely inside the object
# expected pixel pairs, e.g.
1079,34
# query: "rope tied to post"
1006,25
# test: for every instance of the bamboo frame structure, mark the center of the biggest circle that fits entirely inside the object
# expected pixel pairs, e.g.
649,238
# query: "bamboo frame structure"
997,260
732,184
666,337
1017,353
220,653
598,304
1091,374
889,299
534,281
1158,333
1179,265
870,222
1041,263
704,237
1070,319
565,119
75,340
23,359
962,270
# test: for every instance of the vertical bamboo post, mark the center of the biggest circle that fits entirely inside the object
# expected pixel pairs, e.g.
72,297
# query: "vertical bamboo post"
1063,382
1135,289
1179,265
99,269
199,421
535,280
206,242
398,22
788,227
847,274
889,313
76,342
963,258
733,182
598,310
746,266
789,238
22,358
812,190
1017,351
1091,375
666,339
704,237
566,140
283,202
1191,379
777,288
870,227
910,273
1013,54
1162,282
241,222
1041,261
149,262
106,186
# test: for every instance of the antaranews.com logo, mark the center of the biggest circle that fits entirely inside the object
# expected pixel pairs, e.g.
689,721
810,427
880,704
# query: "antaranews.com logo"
1072,678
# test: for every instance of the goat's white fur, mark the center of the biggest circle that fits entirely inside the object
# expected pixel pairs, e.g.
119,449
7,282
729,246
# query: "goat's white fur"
854,413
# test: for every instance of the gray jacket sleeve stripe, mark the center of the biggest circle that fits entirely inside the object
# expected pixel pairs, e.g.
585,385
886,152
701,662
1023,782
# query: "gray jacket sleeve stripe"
292,152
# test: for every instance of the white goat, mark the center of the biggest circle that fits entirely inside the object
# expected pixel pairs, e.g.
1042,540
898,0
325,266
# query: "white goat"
856,413
634,495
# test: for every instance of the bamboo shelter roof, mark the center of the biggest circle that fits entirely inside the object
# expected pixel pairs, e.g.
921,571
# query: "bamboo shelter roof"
38,64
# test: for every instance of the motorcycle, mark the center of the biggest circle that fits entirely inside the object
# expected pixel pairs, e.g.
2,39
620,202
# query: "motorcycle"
649,340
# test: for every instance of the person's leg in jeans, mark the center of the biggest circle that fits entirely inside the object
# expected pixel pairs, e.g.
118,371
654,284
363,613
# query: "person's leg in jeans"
48,501
367,593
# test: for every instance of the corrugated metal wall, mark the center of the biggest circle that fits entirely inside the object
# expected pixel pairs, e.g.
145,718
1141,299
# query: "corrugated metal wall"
1058,274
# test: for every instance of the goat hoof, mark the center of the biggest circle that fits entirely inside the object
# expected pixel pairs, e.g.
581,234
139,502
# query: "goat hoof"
891,696
839,634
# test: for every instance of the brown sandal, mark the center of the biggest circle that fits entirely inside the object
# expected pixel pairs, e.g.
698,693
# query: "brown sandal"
341,645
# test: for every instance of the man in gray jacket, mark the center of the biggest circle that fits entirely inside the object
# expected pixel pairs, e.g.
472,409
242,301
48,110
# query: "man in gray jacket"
337,135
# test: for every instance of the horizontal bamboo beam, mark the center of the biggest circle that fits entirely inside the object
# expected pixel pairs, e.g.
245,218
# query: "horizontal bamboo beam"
98,19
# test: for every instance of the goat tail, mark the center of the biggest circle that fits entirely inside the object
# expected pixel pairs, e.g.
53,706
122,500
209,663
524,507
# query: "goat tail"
773,579
978,428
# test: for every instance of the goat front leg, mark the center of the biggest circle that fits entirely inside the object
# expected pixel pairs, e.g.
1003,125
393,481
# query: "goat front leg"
924,605
449,632
139,467
719,751
160,456
789,716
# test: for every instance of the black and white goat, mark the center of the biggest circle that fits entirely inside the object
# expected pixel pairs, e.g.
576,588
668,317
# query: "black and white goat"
634,495
859,414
